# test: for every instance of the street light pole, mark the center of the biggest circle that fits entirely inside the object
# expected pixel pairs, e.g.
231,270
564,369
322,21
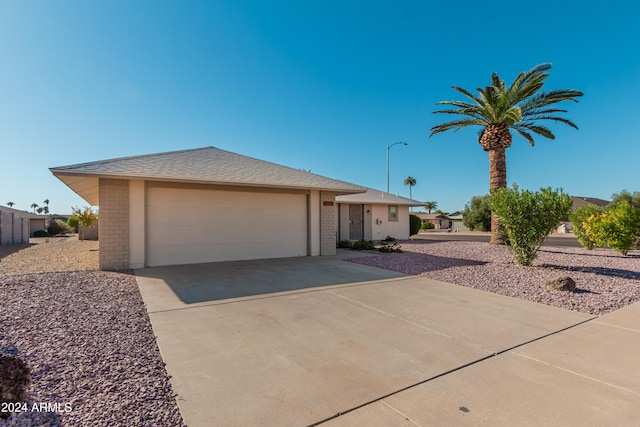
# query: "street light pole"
388,148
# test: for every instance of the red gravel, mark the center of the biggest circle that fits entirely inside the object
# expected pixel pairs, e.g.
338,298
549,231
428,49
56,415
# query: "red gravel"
606,280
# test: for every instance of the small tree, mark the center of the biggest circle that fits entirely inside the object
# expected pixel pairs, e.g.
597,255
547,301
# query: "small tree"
578,219
34,206
477,214
626,196
617,226
10,204
85,216
529,217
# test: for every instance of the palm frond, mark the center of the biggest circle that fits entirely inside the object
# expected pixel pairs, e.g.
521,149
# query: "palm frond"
554,118
525,134
456,125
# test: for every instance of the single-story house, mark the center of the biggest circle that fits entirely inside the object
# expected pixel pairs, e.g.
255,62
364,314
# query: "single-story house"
205,205
17,226
440,221
373,215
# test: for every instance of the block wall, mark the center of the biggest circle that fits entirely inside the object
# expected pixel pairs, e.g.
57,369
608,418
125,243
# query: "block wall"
113,226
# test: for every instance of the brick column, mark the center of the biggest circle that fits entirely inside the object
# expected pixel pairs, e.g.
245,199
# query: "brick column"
327,223
113,225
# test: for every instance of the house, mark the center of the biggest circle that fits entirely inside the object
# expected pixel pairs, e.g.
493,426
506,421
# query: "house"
578,202
205,205
440,221
17,226
373,215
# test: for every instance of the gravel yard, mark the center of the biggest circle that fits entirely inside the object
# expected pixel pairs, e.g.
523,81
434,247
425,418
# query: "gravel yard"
605,280
86,337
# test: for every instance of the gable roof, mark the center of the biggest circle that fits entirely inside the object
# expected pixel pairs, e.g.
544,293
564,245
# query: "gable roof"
207,165
373,197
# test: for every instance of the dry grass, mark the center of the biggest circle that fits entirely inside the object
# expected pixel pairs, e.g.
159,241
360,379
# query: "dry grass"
58,254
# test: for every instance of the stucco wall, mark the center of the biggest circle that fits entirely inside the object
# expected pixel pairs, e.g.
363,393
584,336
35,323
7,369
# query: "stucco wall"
382,227
328,214
113,226
13,229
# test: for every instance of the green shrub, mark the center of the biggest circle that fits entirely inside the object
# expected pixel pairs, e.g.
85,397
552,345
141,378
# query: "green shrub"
41,233
578,220
344,244
73,222
529,217
617,226
427,225
477,214
414,224
59,227
389,244
363,245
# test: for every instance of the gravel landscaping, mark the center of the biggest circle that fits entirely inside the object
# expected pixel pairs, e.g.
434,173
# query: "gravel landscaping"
87,339
605,280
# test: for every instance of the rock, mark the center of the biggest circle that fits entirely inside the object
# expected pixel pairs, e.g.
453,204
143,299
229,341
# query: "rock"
14,380
564,283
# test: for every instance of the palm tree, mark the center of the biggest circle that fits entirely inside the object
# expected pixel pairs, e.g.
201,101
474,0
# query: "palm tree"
34,206
410,181
10,204
498,110
431,205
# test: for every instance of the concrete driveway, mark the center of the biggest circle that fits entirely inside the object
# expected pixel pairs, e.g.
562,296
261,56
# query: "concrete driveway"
295,342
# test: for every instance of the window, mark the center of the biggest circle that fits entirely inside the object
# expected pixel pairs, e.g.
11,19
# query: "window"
393,213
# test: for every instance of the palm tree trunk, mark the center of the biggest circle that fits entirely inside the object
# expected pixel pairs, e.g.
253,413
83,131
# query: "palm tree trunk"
497,179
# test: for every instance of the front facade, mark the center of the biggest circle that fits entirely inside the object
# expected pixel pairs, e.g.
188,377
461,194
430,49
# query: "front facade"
373,215
206,205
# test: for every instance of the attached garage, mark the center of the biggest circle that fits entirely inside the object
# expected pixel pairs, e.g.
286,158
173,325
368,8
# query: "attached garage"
192,225
206,205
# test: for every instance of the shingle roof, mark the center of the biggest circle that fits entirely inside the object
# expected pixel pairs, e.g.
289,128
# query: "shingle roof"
208,165
578,201
373,196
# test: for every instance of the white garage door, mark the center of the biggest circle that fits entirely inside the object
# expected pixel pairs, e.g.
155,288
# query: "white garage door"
187,226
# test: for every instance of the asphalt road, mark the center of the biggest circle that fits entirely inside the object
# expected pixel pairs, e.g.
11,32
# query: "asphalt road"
569,240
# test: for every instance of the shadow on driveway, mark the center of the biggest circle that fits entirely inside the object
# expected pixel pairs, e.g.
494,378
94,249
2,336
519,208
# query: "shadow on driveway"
197,283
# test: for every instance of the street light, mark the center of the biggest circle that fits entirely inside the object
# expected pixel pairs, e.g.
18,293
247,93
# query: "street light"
388,148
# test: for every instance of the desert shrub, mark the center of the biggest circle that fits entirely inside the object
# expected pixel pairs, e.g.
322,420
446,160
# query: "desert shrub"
477,214
85,216
618,226
414,224
529,217
626,196
427,226
578,220
363,245
73,222
344,244
41,233
59,227
389,244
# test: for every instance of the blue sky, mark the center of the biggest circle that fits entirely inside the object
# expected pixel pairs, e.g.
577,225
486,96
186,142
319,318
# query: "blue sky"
325,86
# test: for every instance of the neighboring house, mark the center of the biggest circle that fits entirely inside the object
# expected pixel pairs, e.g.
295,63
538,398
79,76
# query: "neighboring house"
17,226
205,205
456,221
578,202
373,215
440,221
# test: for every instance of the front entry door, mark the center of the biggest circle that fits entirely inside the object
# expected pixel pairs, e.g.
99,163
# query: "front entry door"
356,222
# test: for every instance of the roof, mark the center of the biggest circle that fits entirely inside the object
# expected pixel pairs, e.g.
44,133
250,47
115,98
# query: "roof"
373,197
581,201
427,216
23,214
207,165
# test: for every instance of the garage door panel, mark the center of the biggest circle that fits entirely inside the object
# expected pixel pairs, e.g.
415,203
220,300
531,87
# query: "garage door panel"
187,226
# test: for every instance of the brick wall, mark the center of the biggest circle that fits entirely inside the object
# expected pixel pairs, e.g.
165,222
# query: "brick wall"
328,215
113,226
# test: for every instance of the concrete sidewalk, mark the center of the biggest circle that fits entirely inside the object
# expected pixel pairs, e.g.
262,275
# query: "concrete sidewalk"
398,351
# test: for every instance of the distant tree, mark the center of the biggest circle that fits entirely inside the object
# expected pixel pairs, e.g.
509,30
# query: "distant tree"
441,212
429,206
46,206
39,210
476,215
626,196
34,206
10,204
410,181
